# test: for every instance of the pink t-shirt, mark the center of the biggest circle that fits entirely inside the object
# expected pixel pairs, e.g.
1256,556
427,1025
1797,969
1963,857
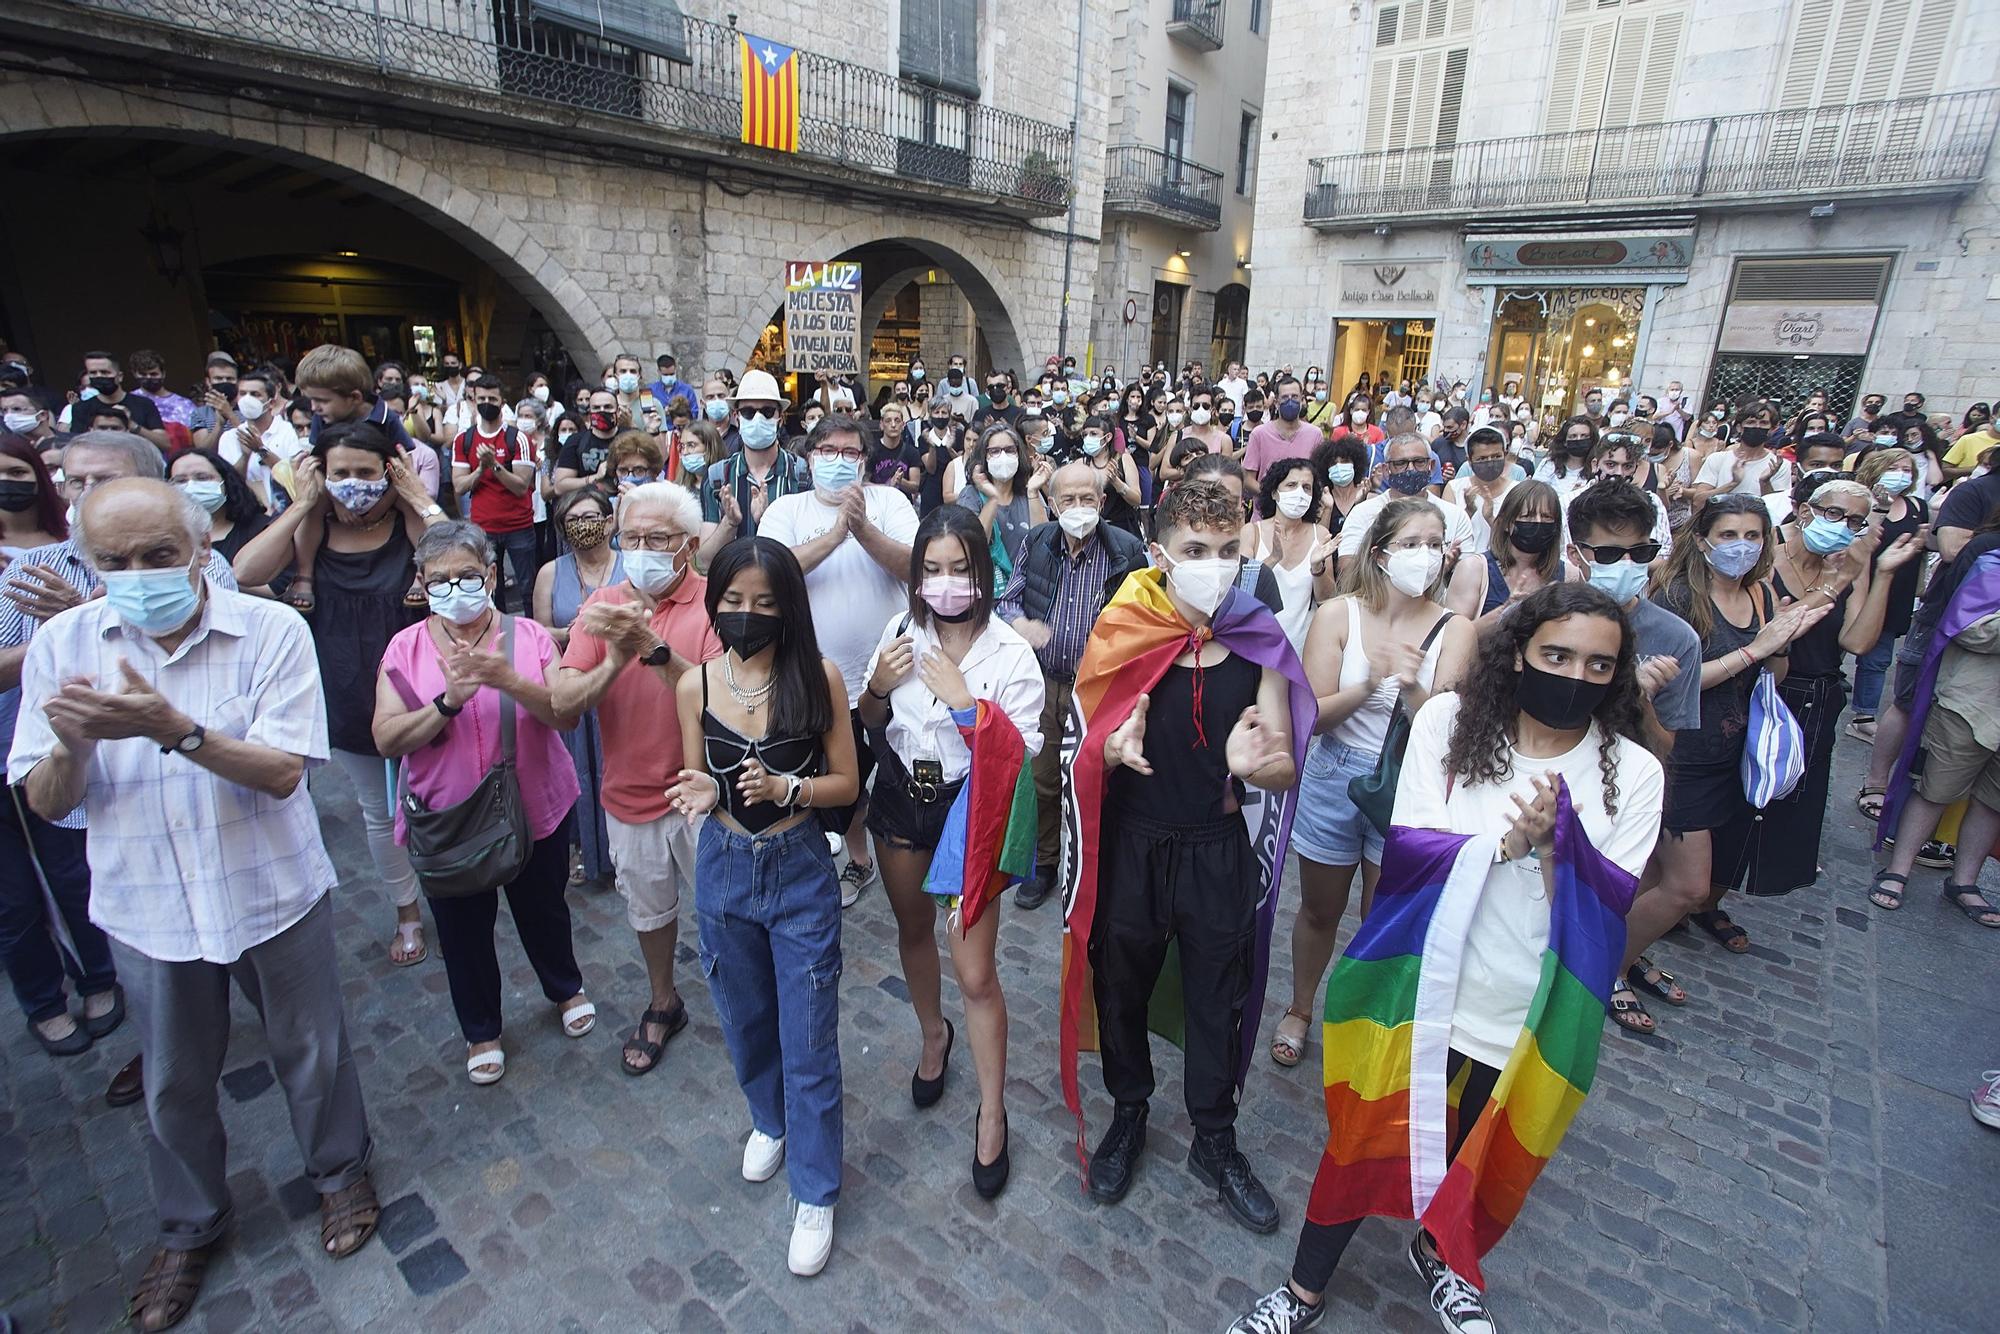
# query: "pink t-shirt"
446,770
1268,445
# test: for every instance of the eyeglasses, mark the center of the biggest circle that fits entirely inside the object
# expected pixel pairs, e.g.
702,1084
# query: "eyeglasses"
1834,514
465,583
648,541
1415,544
1639,553
751,410
851,455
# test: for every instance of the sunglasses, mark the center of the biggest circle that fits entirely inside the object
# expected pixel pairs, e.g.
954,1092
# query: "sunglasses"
1640,553
745,410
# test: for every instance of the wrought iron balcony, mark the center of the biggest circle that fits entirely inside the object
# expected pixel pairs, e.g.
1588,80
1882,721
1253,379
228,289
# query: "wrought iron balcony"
1197,23
1148,183
1901,148
687,85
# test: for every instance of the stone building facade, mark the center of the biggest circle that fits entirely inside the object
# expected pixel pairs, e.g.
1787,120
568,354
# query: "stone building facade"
641,229
1743,197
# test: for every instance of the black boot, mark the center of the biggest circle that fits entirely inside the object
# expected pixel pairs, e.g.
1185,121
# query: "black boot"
1214,1160
1117,1156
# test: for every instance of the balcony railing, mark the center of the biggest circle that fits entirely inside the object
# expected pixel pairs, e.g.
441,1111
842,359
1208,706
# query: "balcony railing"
1148,183
1197,23
1898,147
850,116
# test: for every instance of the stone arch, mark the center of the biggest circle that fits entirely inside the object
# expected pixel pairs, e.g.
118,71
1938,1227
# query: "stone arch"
886,291
995,314
346,153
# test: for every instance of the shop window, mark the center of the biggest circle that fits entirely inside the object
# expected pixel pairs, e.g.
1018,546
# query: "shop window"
1562,342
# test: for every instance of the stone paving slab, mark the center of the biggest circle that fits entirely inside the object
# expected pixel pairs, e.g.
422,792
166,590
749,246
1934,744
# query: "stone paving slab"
1790,1152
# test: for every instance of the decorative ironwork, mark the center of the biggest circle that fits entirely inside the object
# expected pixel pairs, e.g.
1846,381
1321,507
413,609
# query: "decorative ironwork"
1197,23
1154,184
1818,153
849,115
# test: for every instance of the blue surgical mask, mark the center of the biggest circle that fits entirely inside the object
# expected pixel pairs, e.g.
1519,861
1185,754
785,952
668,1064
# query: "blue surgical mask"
1093,445
669,379
460,607
1825,536
1341,474
152,601
1622,580
757,432
651,572
208,495
1734,559
628,383
834,474
716,409
693,460
356,495
1895,483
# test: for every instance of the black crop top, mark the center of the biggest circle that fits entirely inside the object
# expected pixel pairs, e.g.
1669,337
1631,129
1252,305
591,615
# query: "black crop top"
724,750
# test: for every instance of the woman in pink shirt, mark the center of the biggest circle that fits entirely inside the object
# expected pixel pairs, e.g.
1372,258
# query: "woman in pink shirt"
438,702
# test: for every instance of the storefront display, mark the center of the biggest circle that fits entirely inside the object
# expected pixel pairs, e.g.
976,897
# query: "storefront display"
1559,343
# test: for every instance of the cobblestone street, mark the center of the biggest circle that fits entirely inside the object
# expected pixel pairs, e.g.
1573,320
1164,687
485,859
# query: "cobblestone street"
1792,1152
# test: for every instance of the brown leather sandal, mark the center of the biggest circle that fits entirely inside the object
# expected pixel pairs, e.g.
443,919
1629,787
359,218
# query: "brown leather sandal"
351,1209
166,1294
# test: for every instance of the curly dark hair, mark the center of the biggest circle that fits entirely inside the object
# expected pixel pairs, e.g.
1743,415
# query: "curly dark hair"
1482,735
1277,474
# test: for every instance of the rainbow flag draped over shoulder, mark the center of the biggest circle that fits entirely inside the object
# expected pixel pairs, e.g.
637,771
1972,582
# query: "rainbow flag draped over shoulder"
1389,1006
770,93
1137,637
988,842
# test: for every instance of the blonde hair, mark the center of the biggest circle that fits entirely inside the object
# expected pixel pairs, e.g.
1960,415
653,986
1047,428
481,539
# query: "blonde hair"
1869,471
340,370
1826,491
1362,578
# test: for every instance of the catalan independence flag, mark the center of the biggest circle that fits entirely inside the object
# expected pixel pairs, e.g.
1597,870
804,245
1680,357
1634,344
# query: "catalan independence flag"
988,841
1389,1009
770,94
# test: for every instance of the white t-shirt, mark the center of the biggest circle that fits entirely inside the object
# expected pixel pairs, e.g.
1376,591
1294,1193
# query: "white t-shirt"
1502,963
1482,529
1567,484
1235,389
1457,528
1000,666
1716,468
851,595
279,438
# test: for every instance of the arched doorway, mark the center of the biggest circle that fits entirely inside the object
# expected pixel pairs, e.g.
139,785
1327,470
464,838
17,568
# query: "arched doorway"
961,313
1232,318
157,216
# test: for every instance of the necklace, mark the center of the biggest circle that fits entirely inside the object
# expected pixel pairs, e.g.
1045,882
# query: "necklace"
475,641
751,699
361,525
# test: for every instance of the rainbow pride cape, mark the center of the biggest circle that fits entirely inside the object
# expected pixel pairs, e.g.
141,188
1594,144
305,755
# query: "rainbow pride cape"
1137,637
1388,1033
988,842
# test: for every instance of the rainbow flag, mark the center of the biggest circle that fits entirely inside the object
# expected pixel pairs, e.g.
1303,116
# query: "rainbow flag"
1388,1033
1137,637
988,842
770,93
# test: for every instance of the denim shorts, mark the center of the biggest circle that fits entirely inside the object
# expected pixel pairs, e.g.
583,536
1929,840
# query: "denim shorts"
1328,827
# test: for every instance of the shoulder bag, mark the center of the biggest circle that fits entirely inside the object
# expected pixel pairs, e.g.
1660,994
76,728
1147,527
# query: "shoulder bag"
482,842
1374,794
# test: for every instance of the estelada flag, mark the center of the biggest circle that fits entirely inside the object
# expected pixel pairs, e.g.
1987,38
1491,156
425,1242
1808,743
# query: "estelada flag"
770,93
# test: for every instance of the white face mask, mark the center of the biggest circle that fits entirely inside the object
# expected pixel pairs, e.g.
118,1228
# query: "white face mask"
1358,416
251,406
1202,584
1079,521
1413,571
1294,504
1002,467
1199,416
1173,419
541,393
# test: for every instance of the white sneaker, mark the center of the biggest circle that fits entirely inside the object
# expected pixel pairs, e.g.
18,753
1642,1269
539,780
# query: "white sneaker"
762,1155
812,1238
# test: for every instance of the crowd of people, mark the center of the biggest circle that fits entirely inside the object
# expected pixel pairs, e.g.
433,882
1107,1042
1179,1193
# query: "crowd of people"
1550,686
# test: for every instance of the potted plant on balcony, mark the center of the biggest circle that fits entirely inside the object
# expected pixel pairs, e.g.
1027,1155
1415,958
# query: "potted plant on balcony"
1041,179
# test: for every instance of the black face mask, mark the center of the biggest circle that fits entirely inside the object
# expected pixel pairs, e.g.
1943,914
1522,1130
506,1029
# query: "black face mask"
1489,470
105,385
1754,436
16,496
152,384
1578,447
226,388
1561,702
489,412
1533,537
748,633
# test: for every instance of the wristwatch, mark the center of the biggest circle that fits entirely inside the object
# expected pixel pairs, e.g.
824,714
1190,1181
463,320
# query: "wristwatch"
448,710
431,512
188,744
657,655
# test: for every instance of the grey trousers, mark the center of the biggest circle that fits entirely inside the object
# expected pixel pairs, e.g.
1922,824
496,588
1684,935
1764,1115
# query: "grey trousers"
182,1014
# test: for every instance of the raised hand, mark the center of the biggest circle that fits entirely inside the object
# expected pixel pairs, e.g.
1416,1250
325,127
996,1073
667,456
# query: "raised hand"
942,678
1655,672
1535,821
623,625
41,592
1903,550
1251,745
694,793
893,666
308,484
1126,745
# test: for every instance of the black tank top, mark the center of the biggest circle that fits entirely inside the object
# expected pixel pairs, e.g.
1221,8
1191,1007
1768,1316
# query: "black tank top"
725,750
1191,779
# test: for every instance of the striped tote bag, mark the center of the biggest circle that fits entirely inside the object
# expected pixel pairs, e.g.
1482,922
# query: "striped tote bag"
1774,748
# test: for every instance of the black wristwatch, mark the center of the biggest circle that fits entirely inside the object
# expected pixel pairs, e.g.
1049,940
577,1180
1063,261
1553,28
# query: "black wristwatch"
657,655
448,710
188,744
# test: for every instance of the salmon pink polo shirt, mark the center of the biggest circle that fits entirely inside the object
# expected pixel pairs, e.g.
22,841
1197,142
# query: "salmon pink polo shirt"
638,719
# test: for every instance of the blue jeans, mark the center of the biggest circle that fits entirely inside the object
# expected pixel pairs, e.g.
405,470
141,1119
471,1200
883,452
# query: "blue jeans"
29,947
521,554
768,911
1869,670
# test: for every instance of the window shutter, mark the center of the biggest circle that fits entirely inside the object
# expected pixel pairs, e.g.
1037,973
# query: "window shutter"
1450,101
1924,56
1385,25
1434,21
1461,17
656,28
940,44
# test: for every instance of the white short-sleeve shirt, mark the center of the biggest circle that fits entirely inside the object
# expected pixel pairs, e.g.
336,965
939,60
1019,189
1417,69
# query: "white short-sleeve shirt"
1457,528
851,594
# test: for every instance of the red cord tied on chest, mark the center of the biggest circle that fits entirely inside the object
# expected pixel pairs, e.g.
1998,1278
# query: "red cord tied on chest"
1196,638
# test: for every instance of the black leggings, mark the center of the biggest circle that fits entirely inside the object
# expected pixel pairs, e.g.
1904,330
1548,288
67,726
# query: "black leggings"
1322,1244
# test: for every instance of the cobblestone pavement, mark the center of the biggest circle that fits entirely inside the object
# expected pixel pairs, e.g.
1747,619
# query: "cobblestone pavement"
1791,1152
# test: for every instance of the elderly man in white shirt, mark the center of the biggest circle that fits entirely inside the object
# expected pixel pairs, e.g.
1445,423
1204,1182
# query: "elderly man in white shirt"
183,717
1407,473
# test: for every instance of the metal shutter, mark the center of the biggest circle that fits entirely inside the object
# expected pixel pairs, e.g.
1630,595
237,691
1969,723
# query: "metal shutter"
1821,278
653,26
940,44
